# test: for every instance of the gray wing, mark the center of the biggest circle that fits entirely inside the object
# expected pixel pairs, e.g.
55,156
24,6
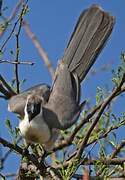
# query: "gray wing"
17,103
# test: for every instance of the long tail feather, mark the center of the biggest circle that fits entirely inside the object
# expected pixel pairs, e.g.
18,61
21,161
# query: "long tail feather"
88,39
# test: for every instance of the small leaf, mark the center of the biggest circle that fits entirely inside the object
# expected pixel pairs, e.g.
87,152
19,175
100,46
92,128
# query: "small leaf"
99,95
8,124
17,130
112,143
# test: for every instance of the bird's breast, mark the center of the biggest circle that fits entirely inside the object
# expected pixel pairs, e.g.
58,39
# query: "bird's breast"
35,131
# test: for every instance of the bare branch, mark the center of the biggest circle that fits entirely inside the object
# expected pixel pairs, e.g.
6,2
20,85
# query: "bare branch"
12,16
19,62
18,48
9,37
15,10
41,51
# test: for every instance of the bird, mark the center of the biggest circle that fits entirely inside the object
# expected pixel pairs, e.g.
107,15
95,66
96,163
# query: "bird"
33,127
46,110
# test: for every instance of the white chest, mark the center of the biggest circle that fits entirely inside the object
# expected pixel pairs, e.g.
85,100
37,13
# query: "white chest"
35,131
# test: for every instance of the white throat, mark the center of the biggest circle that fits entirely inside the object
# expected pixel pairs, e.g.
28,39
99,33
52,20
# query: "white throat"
35,130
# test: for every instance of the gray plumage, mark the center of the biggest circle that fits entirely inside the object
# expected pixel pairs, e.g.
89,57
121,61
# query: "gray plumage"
61,104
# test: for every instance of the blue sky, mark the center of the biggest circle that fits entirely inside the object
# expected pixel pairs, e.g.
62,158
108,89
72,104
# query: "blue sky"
53,22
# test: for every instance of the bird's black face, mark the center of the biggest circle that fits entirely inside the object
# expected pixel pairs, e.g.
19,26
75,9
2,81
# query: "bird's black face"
33,109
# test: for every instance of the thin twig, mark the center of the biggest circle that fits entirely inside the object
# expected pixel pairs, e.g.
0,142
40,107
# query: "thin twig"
4,158
7,95
38,46
8,89
9,37
19,62
101,110
11,33
15,10
3,97
105,134
107,161
118,149
19,150
2,176
18,48
12,16
85,162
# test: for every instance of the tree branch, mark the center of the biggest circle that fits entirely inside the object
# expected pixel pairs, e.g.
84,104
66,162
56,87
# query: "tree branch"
18,47
101,110
117,150
20,151
41,51
12,16
19,62
105,134
5,88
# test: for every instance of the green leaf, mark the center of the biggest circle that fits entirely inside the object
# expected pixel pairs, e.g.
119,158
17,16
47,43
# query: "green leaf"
99,95
112,143
9,126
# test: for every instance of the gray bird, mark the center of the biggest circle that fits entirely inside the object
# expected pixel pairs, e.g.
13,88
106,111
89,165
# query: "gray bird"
44,110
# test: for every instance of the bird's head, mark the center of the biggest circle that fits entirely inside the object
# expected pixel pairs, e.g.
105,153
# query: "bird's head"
33,106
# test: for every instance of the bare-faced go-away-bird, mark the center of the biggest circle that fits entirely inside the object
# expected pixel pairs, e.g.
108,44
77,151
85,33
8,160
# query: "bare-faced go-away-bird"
44,110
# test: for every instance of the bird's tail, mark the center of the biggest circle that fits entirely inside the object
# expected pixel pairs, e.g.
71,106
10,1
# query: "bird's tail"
88,39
